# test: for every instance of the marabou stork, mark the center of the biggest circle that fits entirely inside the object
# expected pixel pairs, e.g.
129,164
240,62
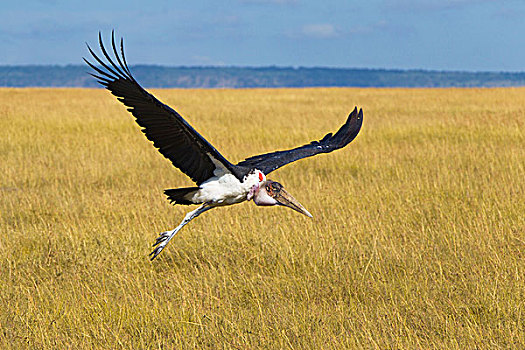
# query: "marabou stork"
219,182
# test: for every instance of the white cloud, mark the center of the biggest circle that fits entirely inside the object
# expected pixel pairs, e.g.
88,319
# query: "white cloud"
435,5
323,30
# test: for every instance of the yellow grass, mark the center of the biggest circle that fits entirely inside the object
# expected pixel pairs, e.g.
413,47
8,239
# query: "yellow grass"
417,240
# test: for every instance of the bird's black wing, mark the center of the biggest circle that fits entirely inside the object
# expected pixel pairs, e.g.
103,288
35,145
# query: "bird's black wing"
270,161
170,133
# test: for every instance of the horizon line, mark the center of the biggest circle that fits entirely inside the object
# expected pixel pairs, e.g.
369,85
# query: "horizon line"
429,70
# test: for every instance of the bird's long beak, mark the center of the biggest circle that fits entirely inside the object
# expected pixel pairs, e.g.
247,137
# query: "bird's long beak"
286,199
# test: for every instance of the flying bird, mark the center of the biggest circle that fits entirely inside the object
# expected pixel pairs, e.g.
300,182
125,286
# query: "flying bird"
218,181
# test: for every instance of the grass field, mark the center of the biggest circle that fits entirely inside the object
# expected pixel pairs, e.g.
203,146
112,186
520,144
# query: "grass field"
417,240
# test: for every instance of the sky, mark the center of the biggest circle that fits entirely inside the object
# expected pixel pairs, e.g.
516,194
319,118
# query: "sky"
468,35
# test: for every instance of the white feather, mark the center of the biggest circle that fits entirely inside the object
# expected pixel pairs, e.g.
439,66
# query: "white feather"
226,189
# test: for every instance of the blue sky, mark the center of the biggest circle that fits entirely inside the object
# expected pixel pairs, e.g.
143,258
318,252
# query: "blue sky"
471,35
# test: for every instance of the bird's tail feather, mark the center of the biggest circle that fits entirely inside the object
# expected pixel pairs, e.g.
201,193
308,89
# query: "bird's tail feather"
181,195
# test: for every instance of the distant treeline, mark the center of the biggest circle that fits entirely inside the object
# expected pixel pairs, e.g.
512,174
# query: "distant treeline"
248,77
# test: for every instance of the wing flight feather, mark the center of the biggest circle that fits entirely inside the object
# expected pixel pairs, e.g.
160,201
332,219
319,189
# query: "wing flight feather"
175,139
269,162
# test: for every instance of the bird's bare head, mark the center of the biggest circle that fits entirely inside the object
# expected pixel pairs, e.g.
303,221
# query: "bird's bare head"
272,193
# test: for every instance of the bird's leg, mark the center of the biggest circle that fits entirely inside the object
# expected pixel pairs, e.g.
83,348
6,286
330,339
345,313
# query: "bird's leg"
165,237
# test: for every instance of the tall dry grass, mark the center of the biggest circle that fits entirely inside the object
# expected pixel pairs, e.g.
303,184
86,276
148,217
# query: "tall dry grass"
417,240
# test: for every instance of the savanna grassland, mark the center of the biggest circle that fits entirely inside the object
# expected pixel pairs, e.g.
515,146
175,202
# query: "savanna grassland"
417,240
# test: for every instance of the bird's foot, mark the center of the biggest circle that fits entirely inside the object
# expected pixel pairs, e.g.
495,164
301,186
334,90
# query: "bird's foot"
160,243
164,237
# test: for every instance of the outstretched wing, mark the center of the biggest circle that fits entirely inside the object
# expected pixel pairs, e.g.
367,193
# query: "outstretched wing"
270,161
170,133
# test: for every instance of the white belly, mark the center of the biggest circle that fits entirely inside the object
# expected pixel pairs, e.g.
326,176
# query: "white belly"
223,190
